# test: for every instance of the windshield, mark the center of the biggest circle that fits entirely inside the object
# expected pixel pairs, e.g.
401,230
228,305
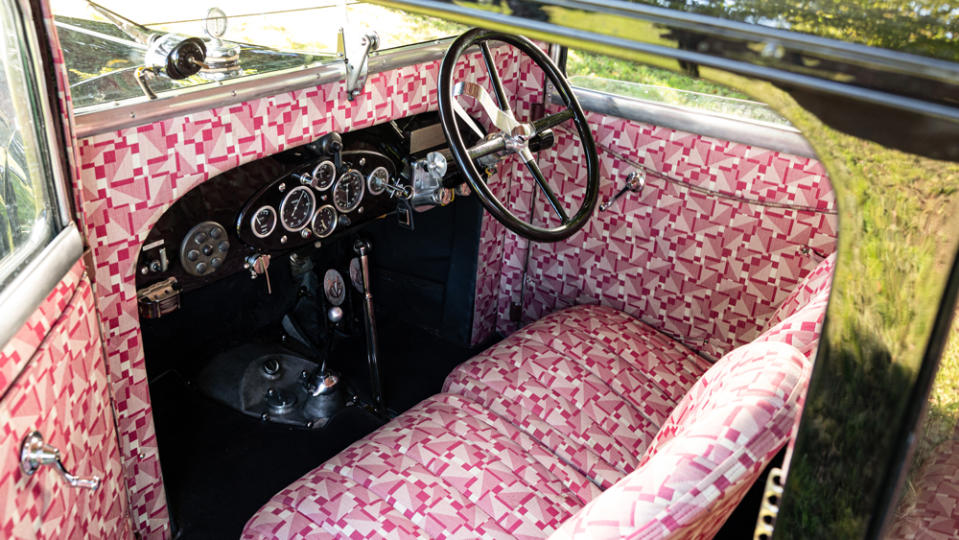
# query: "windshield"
102,58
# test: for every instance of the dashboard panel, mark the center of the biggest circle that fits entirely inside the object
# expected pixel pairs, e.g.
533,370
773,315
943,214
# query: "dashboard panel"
279,203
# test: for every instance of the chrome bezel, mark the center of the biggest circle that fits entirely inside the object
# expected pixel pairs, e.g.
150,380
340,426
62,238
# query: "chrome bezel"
316,184
317,214
253,221
359,198
286,199
369,181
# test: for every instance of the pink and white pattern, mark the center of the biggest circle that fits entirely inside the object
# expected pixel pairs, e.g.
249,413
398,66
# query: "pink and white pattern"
61,391
707,260
447,467
934,515
708,452
520,466
128,178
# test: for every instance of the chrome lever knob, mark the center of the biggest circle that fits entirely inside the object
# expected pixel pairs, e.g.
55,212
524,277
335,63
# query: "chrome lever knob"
635,182
34,453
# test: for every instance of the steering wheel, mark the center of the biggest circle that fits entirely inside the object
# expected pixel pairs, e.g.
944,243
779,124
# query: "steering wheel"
511,136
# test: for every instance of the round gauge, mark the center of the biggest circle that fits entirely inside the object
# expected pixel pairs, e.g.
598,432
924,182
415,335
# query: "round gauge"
348,191
297,208
334,287
323,175
377,180
324,221
263,221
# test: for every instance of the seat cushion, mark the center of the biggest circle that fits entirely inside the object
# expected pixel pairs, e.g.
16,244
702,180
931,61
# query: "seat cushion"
446,468
589,382
534,429
709,451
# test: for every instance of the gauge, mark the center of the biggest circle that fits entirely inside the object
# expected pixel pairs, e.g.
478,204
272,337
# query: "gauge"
377,180
324,221
348,191
323,175
334,287
297,208
263,221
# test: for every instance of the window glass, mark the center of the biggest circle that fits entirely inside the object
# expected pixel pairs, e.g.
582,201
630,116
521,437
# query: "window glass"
102,55
25,204
631,79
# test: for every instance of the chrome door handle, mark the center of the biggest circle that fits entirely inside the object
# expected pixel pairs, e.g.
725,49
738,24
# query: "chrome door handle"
34,454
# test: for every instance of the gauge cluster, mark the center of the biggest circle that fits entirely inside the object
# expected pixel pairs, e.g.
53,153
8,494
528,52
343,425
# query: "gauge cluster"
317,199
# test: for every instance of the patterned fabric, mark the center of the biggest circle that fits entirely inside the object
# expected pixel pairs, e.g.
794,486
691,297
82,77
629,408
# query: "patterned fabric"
128,178
799,320
62,393
591,383
20,349
706,259
709,451
934,512
586,399
447,467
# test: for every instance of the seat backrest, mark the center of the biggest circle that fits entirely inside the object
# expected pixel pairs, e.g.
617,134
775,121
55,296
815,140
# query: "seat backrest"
798,320
709,451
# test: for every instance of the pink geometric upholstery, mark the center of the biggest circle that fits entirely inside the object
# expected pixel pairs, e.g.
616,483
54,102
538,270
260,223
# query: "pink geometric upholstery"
591,383
707,454
447,467
583,400
798,321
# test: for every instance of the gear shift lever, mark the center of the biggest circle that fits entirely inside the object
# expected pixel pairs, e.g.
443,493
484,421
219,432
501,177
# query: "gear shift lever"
362,248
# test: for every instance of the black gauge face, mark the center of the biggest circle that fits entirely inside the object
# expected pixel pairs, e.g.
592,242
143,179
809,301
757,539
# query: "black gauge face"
297,208
263,221
348,191
324,222
323,175
377,180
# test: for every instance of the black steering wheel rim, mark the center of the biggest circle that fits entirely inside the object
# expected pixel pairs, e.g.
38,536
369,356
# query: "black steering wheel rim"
466,164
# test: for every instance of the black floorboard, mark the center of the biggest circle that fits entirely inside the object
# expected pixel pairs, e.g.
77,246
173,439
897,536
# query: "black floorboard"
220,466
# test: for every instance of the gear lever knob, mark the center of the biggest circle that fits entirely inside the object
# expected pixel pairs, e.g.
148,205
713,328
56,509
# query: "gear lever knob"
335,314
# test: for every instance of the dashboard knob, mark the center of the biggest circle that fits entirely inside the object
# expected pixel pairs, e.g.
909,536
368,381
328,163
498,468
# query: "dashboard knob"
335,314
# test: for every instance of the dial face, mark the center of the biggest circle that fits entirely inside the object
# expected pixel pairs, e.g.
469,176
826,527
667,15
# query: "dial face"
348,191
323,175
297,208
334,287
263,221
377,180
324,222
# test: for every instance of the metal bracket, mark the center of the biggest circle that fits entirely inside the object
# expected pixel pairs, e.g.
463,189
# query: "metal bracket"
356,59
770,505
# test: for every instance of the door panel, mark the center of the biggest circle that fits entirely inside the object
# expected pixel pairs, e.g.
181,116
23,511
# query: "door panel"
60,391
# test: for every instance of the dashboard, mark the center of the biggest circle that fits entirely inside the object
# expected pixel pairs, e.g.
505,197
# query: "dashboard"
294,200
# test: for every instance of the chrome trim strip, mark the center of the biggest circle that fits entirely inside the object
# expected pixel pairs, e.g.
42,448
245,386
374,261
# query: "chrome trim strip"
760,134
61,181
596,41
25,292
886,59
139,111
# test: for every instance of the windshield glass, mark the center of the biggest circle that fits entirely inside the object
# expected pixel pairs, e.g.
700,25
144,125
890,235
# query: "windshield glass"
102,56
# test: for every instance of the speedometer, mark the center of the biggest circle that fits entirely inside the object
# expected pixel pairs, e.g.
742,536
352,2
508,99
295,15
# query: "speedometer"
297,208
348,191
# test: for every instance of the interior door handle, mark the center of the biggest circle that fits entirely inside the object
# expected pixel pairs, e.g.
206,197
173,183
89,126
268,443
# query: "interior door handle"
34,454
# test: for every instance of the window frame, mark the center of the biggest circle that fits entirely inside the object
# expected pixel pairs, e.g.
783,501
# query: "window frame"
42,262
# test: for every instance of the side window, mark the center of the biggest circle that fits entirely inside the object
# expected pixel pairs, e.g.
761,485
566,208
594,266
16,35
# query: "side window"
633,80
26,201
